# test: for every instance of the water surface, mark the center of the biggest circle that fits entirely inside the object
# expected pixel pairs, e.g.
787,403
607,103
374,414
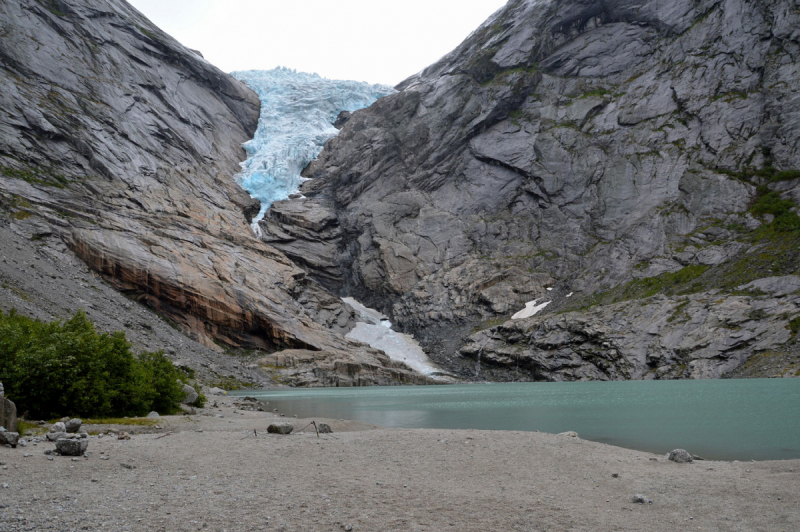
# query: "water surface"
716,419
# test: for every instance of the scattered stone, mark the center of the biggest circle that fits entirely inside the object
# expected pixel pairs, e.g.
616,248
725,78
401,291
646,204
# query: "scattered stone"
9,438
190,395
217,391
128,466
123,436
571,434
641,499
280,428
73,425
615,475
54,436
153,415
72,446
680,456
324,428
58,427
348,528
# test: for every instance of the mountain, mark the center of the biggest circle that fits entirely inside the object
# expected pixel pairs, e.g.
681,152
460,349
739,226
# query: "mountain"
118,151
633,162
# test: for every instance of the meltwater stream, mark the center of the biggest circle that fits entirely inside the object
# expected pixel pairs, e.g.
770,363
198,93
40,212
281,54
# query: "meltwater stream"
754,419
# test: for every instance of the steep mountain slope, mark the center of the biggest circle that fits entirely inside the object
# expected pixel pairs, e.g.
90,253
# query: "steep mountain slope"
610,151
122,144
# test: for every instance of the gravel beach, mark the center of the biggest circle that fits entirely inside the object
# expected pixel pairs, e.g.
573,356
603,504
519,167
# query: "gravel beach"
203,472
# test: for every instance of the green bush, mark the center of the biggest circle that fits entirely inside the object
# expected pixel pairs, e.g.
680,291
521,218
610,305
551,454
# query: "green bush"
54,369
772,203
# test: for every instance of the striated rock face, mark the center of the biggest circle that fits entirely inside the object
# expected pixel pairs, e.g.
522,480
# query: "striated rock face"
355,365
705,335
577,144
126,143
123,144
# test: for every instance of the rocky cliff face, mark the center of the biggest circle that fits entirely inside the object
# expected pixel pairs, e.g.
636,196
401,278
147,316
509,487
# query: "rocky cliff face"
580,145
122,144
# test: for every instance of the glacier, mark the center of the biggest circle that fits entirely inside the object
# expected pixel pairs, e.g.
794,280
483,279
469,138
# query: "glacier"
297,115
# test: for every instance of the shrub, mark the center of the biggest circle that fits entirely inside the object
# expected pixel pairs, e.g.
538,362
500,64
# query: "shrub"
53,369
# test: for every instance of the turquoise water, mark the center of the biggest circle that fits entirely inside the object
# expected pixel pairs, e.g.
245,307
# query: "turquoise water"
715,419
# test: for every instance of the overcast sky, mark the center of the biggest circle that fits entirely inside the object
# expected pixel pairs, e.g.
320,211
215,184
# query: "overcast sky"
364,40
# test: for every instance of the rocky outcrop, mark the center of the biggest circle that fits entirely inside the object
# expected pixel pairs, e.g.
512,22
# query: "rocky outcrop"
355,365
8,412
122,144
704,335
575,144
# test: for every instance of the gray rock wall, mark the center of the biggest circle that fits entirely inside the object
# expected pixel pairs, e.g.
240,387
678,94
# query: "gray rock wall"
575,144
119,146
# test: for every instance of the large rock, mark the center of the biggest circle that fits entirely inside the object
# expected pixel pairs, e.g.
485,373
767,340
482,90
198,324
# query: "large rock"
680,456
9,438
73,425
280,428
553,148
72,446
190,395
8,414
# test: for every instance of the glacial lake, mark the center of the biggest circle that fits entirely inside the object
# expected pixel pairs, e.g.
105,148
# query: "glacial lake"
716,419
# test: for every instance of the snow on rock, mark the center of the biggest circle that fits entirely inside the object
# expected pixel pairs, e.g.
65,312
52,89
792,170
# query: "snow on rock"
376,331
297,115
532,308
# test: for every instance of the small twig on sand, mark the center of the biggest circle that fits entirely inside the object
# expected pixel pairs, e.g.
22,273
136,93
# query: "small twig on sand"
164,435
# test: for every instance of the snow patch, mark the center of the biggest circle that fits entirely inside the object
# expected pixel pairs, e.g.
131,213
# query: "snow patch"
376,331
532,308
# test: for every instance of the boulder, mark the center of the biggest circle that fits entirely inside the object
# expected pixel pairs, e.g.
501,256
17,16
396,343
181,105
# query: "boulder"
153,415
280,428
72,446
59,427
55,436
641,499
191,395
570,434
9,438
680,456
8,413
73,425
217,391
324,428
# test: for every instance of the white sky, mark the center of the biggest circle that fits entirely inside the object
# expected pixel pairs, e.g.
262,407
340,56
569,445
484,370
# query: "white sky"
338,39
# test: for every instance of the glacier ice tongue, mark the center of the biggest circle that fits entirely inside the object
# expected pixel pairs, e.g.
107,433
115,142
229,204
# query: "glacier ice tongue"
297,115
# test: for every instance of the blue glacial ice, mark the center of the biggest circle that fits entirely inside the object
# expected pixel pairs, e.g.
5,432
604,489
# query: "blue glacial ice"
297,115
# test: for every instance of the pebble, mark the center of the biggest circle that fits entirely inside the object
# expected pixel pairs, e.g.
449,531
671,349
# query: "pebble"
641,499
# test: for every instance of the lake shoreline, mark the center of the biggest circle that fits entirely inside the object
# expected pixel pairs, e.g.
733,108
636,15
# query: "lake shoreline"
203,472
719,420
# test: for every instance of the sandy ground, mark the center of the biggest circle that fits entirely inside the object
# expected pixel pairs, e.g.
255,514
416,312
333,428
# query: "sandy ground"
214,474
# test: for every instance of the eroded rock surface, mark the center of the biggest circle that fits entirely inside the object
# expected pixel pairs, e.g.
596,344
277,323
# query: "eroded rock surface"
120,146
577,144
705,335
